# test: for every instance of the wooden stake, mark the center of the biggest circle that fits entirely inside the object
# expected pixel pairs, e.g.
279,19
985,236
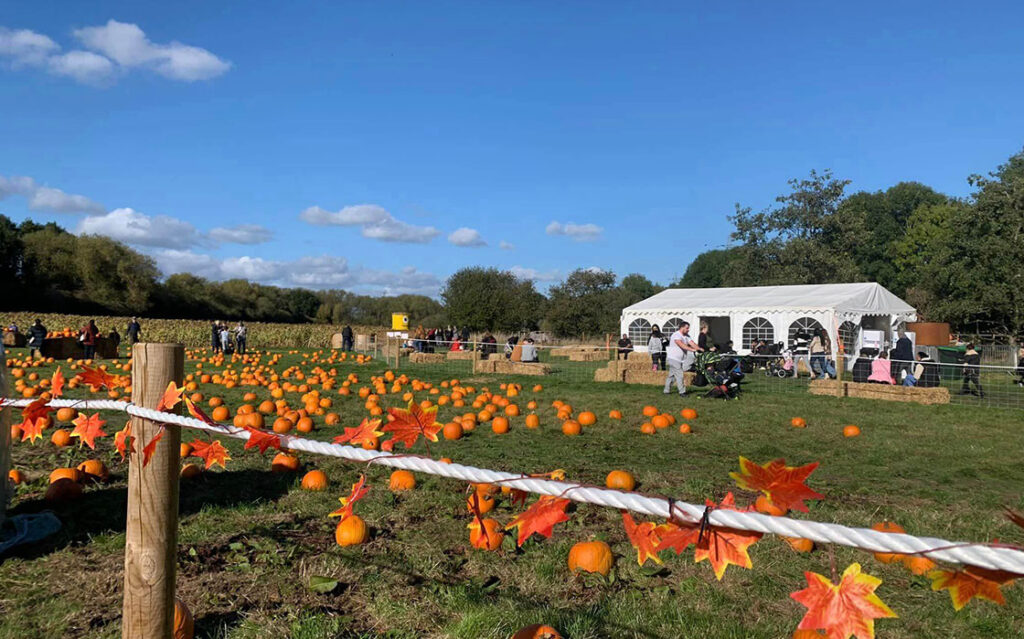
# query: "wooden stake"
151,536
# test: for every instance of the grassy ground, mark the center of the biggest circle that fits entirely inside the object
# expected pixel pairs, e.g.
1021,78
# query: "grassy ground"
250,540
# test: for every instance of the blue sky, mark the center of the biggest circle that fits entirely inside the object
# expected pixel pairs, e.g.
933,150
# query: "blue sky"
201,132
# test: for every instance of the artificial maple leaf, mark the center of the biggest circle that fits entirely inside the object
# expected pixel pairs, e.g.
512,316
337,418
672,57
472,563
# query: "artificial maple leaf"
964,586
644,538
677,537
195,411
540,518
36,411
725,546
150,448
477,525
364,432
844,609
32,430
406,426
211,453
57,384
261,439
170,398
99,378
359,490
782,484
87,429
519,497
124,442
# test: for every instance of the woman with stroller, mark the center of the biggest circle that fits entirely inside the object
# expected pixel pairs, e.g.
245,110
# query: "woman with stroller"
656,347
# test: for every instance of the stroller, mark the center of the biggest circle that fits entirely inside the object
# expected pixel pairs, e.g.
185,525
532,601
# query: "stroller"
781,364
724,376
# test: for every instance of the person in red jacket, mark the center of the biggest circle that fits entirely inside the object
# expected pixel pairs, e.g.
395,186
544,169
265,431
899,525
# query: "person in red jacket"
88,336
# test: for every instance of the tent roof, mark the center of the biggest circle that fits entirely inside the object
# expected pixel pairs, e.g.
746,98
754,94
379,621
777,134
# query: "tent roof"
864,298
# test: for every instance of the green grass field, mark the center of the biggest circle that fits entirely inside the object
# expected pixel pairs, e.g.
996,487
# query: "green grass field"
250,541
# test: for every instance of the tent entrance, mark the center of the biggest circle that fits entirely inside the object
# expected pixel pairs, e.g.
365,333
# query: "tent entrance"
719,330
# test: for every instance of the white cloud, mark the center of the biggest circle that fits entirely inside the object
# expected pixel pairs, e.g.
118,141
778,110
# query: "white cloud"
131,227
578,232
45,198
25,47
84,66
466,237
506,246
316,272
241,234
524,273
376,223
128,45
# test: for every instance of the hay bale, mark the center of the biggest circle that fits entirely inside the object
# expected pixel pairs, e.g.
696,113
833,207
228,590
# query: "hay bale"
608,375
426,358
336,341
827,387
636,356
505,367
652,378
587,356
15,340
460,355
886,392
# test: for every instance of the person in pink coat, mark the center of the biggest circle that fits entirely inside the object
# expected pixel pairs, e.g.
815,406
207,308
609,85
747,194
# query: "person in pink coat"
881,370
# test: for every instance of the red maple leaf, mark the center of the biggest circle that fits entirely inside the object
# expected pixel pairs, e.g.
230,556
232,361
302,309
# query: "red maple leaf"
964,586
150,448
37,410
261,439
124,442
677,537
32,430
847,608
195,411
725,546
406,426
519,497
644,538
57,383
87,429
359,490
540,518
364,432
99,378
211,453
170,398
782,484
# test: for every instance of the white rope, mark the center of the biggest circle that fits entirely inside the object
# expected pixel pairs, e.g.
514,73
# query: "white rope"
980,555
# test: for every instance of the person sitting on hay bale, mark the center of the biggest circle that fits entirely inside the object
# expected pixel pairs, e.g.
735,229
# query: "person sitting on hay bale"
625,347
925,374
529,352
881,370
862,368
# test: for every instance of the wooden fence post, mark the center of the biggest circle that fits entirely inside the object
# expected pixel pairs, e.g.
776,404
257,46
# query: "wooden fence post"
151,535
5,442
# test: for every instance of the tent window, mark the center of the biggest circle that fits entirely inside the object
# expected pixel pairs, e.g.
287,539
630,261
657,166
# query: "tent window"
757,328
848,332
807,325
640,332
671,326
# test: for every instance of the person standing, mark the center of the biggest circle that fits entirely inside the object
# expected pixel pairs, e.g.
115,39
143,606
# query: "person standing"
215,337
801,348
902,355
115,341
703,339
817,350
680,356
36,335
656,348
972,372
134,331
88,336
241,335
346,338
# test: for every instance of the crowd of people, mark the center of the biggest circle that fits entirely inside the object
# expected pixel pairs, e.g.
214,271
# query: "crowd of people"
227,341
453,338
88,336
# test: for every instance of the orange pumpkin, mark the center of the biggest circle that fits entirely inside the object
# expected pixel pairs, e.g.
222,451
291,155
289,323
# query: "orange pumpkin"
659,421
532,421
587,418
94,469
452,430
351,531
850,431
485,503
537,631
63,489
60,438
688,413
798,422
284,463
184,626
190,471
16,476
768,507
220,414
500,425
73,474
66,414
314,480
614,414
799,544
402,480
283,425
591,556
684,428
184,450
489,541
571,428
648,428
620,480
304,425
888,527
650,411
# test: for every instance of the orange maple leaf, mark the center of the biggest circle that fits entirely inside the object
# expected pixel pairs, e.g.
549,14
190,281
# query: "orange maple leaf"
359,490
32,430
644,538
782,484
99,378
678,537
211,453
540,518
844,609
87,429
150,448
170,398
124,442
477,525
407,426
37,410
364,432
964,585
195,411
261,439
725,546
57,383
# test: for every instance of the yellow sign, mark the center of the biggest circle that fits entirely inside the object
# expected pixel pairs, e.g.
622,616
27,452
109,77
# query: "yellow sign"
399,322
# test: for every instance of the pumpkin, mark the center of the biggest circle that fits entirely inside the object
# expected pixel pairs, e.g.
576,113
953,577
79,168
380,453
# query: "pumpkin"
587,418
614,414
304,425
184,450
489,541
798,422
94,469
63,489
799,544
688,413
66,414
647,428
220,414
332,419
452,430
538,388
60,438
486,503
532,421
659,421
314,480
650,411
402,480
184,626
500,425
73,474
283,425
684,428
888,527
351,531
591,556
284,463
484,489
768,507
190,471
537,631
571,428
16,476
620,480
445,460
850,431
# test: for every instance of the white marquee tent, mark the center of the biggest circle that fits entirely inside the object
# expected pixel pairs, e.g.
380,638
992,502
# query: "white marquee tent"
771,313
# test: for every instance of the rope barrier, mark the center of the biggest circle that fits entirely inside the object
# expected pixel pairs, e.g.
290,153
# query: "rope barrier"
989,556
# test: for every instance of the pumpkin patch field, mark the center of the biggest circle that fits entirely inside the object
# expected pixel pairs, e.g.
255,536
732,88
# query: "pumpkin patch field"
290,544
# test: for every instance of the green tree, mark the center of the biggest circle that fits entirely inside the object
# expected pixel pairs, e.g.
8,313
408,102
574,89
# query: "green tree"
112,276
490,299
708,269
584,304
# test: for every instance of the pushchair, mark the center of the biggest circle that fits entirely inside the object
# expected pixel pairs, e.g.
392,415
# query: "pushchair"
781,365
725,384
